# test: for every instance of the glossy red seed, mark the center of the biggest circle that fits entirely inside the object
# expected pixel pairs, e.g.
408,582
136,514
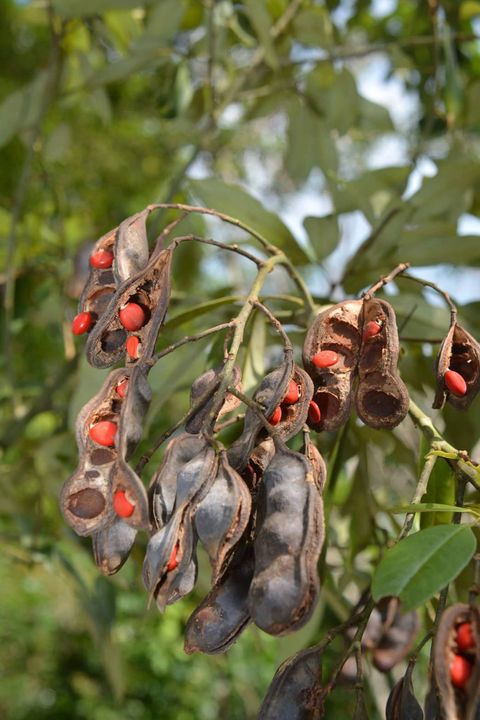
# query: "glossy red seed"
101,259
133,347
314,414
276,416
132,316
460,671
172,563
455,383
122,505
371,329
465,639
82,323
325,358
292,394
121,388
104,433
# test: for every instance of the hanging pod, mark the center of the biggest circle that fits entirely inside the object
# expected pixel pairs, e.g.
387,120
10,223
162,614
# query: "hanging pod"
457,369
112,546
402,703
381,397
330,356
205,387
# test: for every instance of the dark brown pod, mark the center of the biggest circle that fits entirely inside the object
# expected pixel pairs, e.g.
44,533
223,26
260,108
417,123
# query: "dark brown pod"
460,353
223,614
459,701
205,387
269,395
112,545
294,416
296,691
381,397
335,330
289,538
222,516
402,703
398,631
150,289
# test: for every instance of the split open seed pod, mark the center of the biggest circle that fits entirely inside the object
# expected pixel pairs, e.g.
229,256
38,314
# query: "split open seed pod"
330,355
203,390
459,354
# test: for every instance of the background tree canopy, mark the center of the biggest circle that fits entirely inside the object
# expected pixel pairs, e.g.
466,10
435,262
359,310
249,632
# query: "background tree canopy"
344,131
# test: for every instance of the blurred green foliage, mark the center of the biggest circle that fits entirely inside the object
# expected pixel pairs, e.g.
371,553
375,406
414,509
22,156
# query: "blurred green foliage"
108,105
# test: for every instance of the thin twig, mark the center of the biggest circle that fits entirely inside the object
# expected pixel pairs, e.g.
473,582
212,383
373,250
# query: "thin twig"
224,246
276,324
227,423
420,491
445,295
188,339
385,280
257,409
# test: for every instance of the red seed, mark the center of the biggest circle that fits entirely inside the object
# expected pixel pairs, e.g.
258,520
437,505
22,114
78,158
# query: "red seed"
465,639
121,388
122,505
455,383
104,433
276,416
314,414
133,346
325,358
101,259
371,329
132,316
82,323
460,671
172,563
292,394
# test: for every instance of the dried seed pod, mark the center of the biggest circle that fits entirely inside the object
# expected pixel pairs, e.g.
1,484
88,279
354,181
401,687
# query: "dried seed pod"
402,703
163,486
205,387
112,545
334,331
460,354
259,459
223,614
131,246
150,289
294,415
398,631
381,397
295,692
269,395
222,516
289,537
459,693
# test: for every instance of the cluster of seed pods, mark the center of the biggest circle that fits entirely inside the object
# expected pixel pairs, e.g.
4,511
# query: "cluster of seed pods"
351,353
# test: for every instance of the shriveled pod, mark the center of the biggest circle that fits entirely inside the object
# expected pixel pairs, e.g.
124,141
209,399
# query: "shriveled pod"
330,356
260,457
268,395
457,369
145,296
296,692
223,614
163,486
204,387
112,546
222,516
402,703
289,537
456,662
174,543
381,397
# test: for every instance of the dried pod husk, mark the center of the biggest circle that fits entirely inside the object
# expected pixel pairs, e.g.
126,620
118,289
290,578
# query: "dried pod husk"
163,486
269,395
294,416
222,516
112,546
205,387
150,289
100,285
223,614
296,691
289,537
317,462
335,329
381,397
457,702
131,246
402,703
459,352
397,635
259,459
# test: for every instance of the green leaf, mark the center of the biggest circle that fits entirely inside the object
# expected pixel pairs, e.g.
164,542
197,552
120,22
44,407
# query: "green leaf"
79,8
234,201
432,507
313,27
323,233
423,563
310,143
469,9
262,22
20,109
200,310
254,363
440,491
